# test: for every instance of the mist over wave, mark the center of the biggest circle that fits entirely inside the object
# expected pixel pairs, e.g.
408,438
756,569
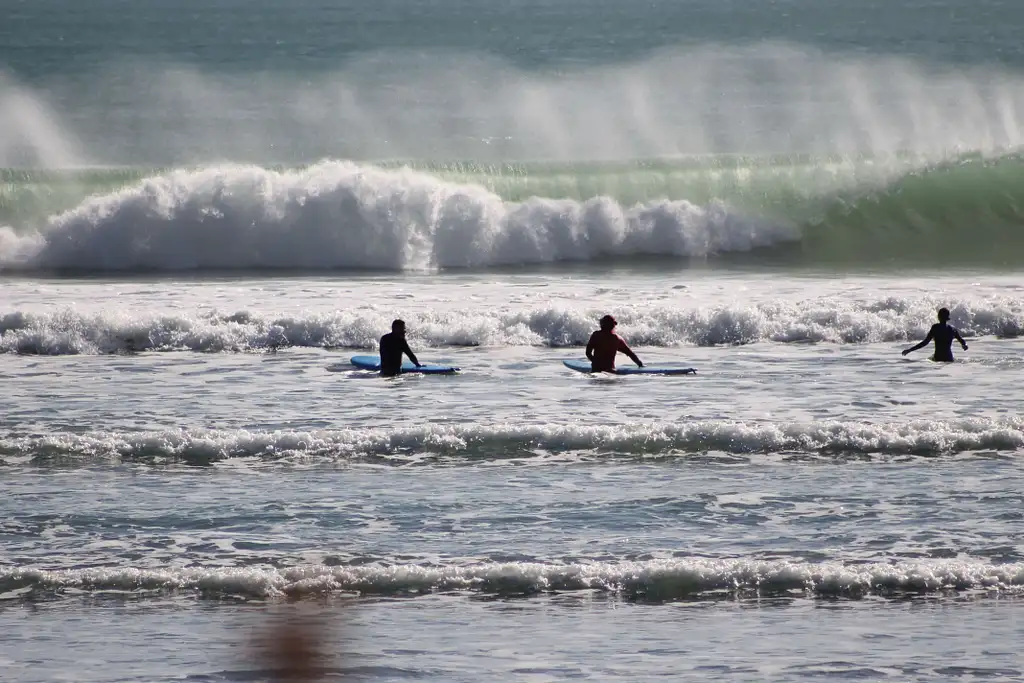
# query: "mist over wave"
827,320
710,99
662,579
477,443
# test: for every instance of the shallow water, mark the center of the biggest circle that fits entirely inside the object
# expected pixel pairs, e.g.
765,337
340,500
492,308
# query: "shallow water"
563,638
841,511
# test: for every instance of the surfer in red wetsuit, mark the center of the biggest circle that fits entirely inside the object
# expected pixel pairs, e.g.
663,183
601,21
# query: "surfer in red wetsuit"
603,346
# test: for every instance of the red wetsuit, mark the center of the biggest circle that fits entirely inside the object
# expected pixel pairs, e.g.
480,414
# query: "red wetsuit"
601,350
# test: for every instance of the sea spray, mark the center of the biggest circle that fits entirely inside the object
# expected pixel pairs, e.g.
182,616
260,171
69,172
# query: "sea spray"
765,98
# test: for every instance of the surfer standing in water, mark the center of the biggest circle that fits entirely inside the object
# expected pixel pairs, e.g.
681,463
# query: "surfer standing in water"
603,346
392,346
943,334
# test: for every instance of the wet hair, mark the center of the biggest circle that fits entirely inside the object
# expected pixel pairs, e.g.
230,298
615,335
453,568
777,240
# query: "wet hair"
943,314
608,322
397,325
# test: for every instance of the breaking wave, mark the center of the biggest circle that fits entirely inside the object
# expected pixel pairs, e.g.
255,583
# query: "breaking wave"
762,150
340,215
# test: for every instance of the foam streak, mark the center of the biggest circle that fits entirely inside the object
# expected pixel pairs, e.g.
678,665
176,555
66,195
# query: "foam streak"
479,442
652,580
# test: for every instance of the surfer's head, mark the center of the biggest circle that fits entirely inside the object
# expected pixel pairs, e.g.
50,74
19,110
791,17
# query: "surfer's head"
943,315
398,326
608,323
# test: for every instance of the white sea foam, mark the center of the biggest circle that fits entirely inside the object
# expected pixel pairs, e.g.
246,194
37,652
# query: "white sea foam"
483,442
18,248
653,579
826,320
346,215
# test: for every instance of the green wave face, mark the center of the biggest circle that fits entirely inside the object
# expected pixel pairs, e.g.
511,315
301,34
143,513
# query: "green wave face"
966,213
29,197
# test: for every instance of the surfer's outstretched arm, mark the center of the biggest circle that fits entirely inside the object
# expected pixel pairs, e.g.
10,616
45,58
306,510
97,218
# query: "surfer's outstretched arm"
921,345
624,348
590,349
412,356
963,344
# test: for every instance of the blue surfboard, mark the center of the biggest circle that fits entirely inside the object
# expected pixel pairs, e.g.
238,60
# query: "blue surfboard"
373,363
584,366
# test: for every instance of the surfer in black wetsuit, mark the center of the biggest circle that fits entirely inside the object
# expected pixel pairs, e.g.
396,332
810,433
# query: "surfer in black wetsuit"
943,334
392,346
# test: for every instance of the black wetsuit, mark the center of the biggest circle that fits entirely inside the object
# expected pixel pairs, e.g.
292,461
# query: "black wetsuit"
392,346
943,334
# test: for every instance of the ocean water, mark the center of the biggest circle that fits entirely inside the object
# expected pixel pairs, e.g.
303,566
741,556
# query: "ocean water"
206,208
